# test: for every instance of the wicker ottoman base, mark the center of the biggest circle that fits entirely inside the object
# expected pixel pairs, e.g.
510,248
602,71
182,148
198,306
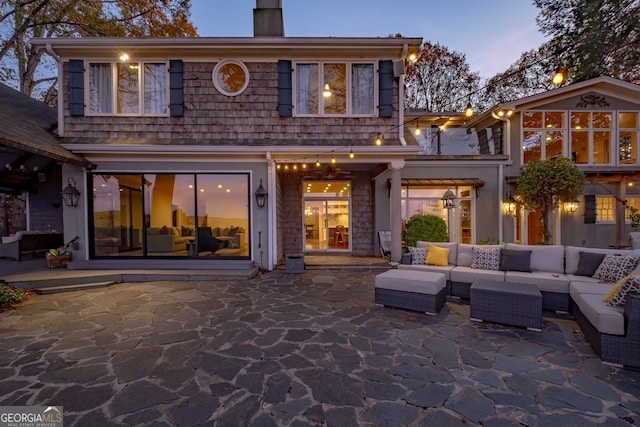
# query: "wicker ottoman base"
411,290
516,304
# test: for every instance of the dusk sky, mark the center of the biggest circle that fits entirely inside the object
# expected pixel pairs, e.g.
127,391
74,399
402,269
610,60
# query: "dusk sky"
492,34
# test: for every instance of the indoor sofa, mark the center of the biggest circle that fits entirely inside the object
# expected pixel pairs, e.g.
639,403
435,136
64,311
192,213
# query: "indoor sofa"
169,239
570,279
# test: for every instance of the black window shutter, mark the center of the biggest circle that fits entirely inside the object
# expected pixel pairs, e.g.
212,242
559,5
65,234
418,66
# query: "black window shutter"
76,87
590,209
285,88
385,97
176,99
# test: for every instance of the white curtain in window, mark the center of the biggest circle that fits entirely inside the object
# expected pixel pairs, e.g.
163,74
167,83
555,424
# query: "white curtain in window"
155,89
362,89
304,97
100,88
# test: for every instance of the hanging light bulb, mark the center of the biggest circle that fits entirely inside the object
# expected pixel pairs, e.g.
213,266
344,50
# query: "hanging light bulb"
304,166
559,76
333,159
278,166
469,110
286,167
417,131
295,167
317,162
351,155
379,140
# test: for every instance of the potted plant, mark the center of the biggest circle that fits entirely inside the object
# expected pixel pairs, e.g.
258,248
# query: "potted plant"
634,236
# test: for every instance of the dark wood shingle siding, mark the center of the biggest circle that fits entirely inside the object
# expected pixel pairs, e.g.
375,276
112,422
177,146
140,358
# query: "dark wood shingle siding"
252,115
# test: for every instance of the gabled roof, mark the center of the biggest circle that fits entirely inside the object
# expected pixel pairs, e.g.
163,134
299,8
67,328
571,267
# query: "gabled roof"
605,85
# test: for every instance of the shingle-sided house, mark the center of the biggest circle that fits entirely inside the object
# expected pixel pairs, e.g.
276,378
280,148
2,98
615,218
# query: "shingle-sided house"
248,149
241,151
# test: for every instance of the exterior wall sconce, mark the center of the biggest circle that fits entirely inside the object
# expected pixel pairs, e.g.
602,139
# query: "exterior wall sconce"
571,206
70,194
261,195
509,205
448,200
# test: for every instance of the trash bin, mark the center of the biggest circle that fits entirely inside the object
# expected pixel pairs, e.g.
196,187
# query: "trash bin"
295,263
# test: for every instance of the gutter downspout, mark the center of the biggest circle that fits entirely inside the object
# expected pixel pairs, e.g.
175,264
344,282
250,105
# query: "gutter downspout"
272,259
507,143
50,51
405,48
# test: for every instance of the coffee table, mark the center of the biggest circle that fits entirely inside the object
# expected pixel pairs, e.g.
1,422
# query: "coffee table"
516,304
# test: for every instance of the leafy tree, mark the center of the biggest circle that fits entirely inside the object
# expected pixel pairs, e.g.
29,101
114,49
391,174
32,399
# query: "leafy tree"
20,20
527,76
428,228
440,80
545,183
591,38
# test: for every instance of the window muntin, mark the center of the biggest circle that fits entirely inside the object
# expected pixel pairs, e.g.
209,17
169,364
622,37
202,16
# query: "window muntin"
129,89
416,200
594,137
539,126
632,202
628,138
605,209
335,89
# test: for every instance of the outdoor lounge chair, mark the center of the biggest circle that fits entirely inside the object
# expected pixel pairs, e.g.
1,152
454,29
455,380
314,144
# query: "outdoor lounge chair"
384,239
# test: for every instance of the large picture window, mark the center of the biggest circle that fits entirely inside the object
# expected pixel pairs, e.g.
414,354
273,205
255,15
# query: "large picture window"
543,135
335,89
170,215
128,88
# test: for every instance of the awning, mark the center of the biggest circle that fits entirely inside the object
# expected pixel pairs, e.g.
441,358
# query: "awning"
457,182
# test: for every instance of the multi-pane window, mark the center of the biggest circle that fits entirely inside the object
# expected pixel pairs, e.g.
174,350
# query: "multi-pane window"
591,141
543,135
605,209
128,88
335,88
628,129
632,202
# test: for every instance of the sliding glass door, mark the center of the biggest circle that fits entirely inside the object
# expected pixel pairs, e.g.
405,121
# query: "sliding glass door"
326,216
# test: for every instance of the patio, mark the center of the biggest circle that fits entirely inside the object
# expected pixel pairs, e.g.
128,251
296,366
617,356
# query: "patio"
298,349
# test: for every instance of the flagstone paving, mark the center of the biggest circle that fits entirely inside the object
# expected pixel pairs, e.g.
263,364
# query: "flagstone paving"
306,349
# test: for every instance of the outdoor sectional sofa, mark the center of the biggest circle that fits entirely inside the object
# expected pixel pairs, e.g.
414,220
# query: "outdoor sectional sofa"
559,273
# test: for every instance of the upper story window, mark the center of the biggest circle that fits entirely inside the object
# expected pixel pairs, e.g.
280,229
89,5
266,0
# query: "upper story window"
591,137
332,88
588,137
543,134
128,88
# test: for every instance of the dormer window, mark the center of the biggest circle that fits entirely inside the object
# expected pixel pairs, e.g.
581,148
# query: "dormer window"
128,88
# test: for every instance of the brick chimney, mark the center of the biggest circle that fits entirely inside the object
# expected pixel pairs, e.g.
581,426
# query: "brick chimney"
267,19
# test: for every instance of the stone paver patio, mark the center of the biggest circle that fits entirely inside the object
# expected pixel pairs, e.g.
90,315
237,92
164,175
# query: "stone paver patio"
299,350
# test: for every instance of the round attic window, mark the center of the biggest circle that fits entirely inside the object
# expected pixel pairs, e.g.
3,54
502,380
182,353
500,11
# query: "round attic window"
230,77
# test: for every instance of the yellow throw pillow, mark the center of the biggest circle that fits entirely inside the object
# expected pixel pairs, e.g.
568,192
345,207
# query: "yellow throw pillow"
613,291
437,255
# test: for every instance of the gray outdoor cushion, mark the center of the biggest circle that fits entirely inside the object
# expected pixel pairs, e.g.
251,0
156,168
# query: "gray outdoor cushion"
588,263
515,260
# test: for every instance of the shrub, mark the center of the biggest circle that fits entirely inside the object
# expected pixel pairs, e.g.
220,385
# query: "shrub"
429,228
10,296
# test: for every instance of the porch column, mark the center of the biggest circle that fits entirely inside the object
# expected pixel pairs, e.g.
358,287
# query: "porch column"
621,210
396,216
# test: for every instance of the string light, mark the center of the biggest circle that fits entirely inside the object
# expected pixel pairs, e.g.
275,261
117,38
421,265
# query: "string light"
333,159
351,155
317,162
379,140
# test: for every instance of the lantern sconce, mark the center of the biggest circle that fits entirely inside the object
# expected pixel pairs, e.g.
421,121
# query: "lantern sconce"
509,205
448,200
261,195
70,194
571,206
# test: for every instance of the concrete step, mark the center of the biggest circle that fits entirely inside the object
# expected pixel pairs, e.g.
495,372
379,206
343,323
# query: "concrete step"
71,288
